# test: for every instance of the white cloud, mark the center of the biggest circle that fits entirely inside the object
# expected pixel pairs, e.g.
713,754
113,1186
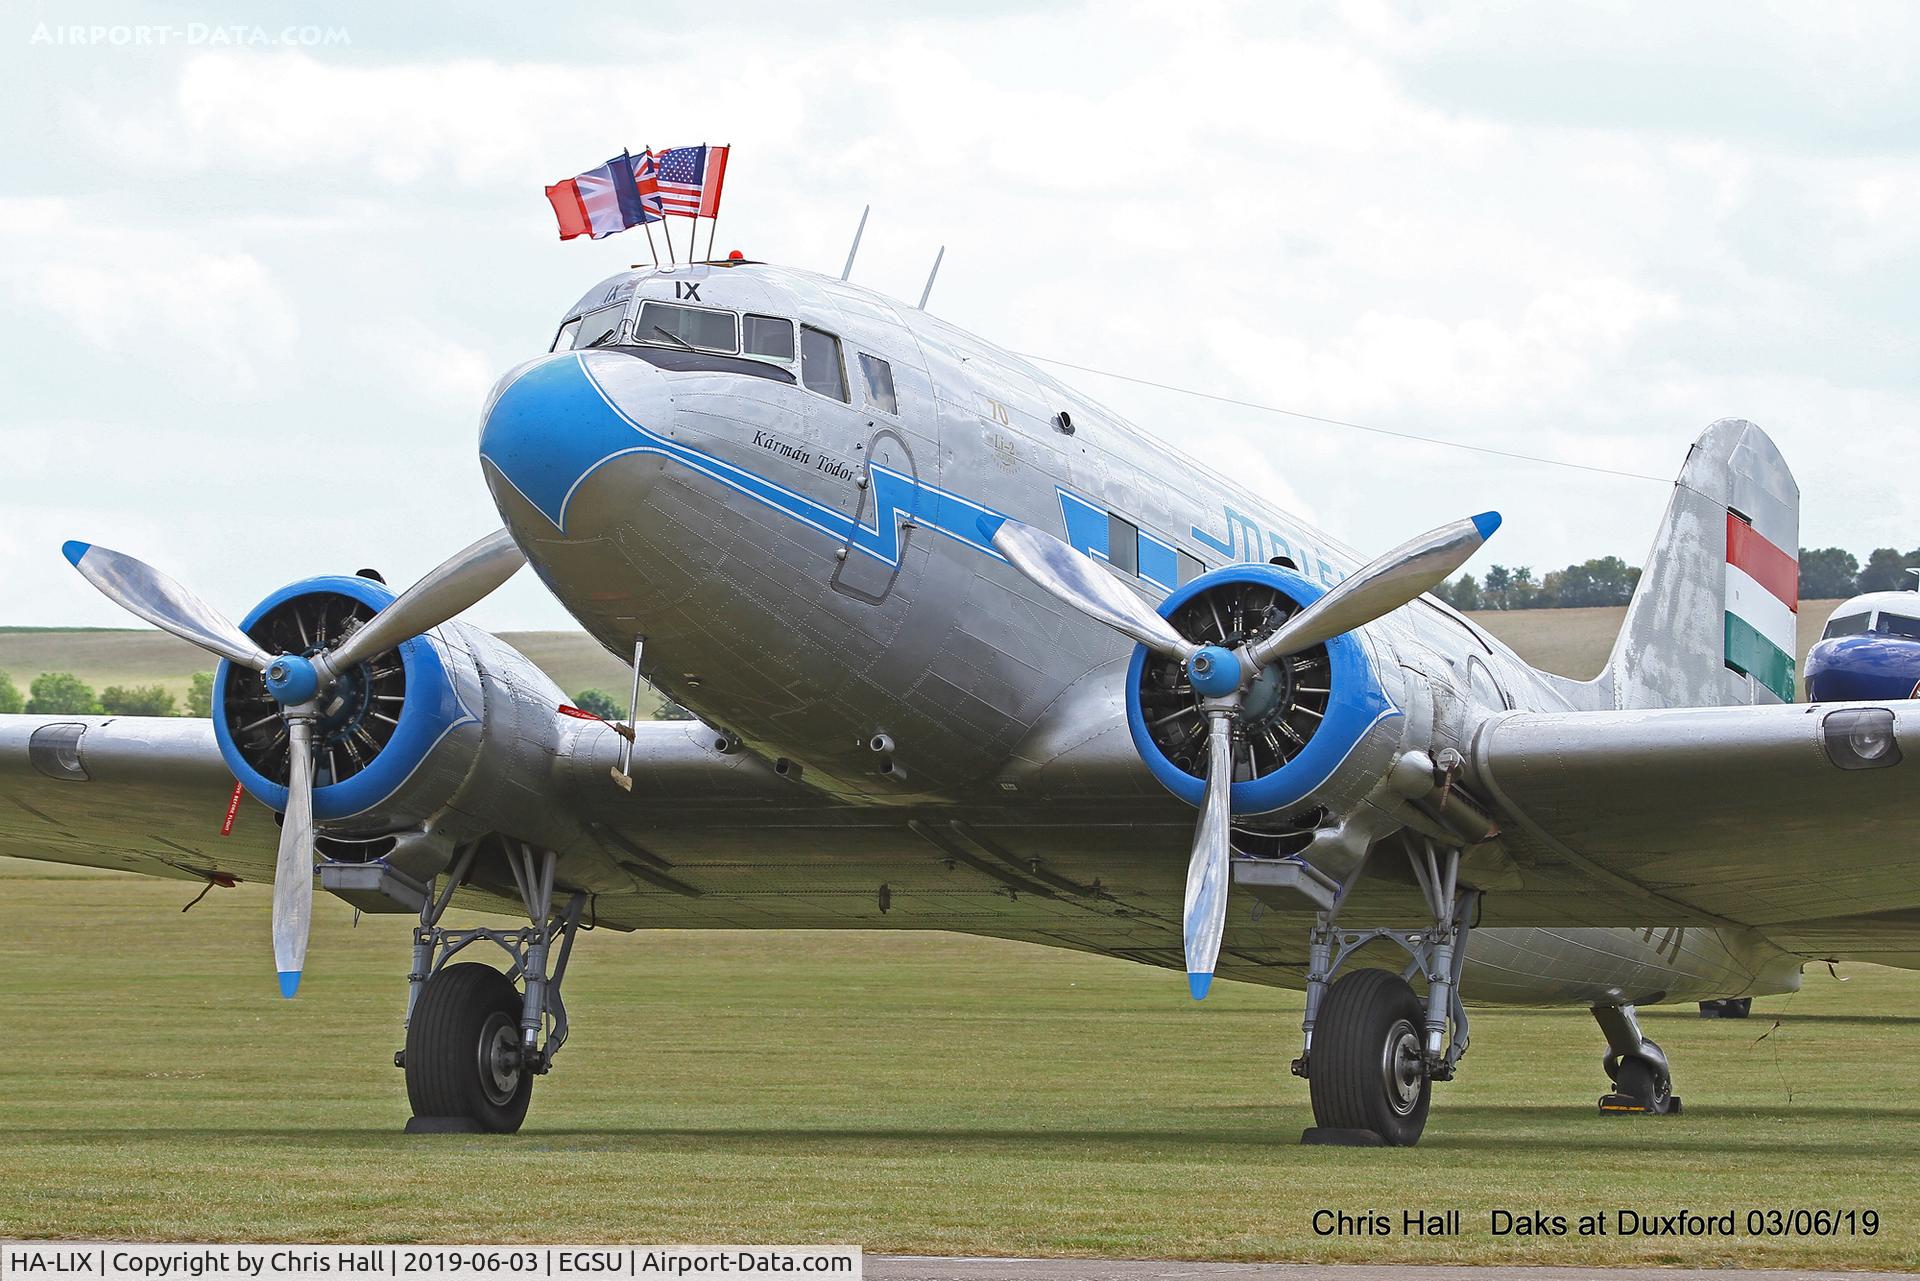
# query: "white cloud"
166,298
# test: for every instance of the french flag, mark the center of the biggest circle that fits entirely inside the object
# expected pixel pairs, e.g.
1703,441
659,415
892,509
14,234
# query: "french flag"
602,201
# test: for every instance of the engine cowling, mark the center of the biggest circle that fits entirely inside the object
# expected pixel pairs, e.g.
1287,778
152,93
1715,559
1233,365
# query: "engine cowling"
432,731
1304,718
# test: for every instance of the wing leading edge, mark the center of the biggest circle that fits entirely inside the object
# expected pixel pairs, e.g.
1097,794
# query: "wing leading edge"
136,793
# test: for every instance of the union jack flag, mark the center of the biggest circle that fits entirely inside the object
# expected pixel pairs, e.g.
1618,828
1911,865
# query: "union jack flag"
689,180
646,180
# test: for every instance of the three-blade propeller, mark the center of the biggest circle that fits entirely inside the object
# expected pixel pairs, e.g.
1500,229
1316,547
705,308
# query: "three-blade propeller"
1220,676
300,683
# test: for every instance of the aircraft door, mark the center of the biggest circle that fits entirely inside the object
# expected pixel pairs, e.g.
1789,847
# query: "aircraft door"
883,533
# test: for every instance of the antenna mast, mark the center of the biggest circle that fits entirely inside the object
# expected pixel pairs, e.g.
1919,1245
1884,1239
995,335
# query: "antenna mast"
857,232
924,293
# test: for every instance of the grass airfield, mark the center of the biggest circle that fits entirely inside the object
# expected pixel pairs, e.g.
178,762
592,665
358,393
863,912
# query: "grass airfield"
911,1093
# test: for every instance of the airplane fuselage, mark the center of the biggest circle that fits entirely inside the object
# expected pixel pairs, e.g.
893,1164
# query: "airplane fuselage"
797,524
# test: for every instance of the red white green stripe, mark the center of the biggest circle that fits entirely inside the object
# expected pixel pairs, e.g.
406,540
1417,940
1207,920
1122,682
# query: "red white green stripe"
1763,599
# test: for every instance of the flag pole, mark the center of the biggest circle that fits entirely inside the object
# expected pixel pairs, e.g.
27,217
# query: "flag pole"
651,247
713,229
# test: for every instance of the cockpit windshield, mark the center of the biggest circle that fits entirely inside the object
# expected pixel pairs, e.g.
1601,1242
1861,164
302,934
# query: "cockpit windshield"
1897,625
594,329
1846,625
694,327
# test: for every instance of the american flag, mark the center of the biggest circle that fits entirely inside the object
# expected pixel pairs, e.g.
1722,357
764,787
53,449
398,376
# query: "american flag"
690,179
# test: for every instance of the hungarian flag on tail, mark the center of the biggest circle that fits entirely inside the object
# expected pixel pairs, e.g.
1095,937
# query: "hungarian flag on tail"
1763,604
602,201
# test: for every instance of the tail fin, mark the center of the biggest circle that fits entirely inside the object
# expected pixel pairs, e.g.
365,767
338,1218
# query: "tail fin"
1713,620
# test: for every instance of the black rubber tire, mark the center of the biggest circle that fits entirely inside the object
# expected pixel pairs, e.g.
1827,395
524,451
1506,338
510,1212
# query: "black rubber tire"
1644,1083
1366,1016
458,1018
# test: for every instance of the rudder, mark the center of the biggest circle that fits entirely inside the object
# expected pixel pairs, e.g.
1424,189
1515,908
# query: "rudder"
1713,621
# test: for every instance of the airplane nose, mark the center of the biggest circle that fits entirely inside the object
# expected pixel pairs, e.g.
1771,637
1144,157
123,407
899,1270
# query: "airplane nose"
552,421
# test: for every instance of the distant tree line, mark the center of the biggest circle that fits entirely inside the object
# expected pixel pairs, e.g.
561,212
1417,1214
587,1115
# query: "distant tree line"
609,708
1826,573
64,694
1607,580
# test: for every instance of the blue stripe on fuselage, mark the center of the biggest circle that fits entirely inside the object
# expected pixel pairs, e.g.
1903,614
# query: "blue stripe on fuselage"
555,425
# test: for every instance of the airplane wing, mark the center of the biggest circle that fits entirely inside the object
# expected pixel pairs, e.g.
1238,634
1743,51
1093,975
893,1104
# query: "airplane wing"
1802,821
148,794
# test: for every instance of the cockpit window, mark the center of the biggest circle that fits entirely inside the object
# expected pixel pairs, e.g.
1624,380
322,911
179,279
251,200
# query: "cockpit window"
770,337
820,367
1850,625
1897,625
563,341
687,326
595,329
877,374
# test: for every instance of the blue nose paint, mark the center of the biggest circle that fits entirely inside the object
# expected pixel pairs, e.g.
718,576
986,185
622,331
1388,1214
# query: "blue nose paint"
1215,672
292,680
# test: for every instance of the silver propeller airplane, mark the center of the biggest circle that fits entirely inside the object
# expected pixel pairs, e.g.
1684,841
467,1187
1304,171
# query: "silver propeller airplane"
970,652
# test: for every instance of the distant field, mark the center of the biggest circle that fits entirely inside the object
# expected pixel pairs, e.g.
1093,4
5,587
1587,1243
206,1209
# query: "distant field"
1572,642
1576,642
108,657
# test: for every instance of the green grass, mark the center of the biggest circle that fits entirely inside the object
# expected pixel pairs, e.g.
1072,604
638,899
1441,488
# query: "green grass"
915,1093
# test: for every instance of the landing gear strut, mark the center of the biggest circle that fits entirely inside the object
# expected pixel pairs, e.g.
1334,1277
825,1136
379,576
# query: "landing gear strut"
1642,1082
1373,1046
475,1041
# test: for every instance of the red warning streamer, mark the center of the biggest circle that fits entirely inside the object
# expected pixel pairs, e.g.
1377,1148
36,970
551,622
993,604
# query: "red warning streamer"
233,808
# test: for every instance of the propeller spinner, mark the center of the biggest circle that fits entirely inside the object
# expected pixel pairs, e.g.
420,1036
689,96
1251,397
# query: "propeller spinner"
299,684
1222,676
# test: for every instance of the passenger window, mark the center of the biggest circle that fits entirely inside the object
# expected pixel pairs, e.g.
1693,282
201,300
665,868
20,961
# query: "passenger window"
879,379
563,341
693,327
1123,544
770,337
1898,625
1190,568
1850,625
820,367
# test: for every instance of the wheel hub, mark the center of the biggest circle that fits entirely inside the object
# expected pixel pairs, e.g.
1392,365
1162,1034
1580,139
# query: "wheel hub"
1403,1068
500,1059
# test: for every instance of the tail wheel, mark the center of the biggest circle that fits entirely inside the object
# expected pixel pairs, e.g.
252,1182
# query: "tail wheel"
463,1049
1367,1071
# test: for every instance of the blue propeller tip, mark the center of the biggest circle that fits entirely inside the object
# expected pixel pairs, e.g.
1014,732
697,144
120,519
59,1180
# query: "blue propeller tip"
73,549
289,983
1198,985
1486,523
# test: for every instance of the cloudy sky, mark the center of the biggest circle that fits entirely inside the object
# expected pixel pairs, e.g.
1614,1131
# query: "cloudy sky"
254,283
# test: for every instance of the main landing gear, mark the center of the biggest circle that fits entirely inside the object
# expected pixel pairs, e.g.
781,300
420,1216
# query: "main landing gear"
1642,1081
474,1040
1374,1047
